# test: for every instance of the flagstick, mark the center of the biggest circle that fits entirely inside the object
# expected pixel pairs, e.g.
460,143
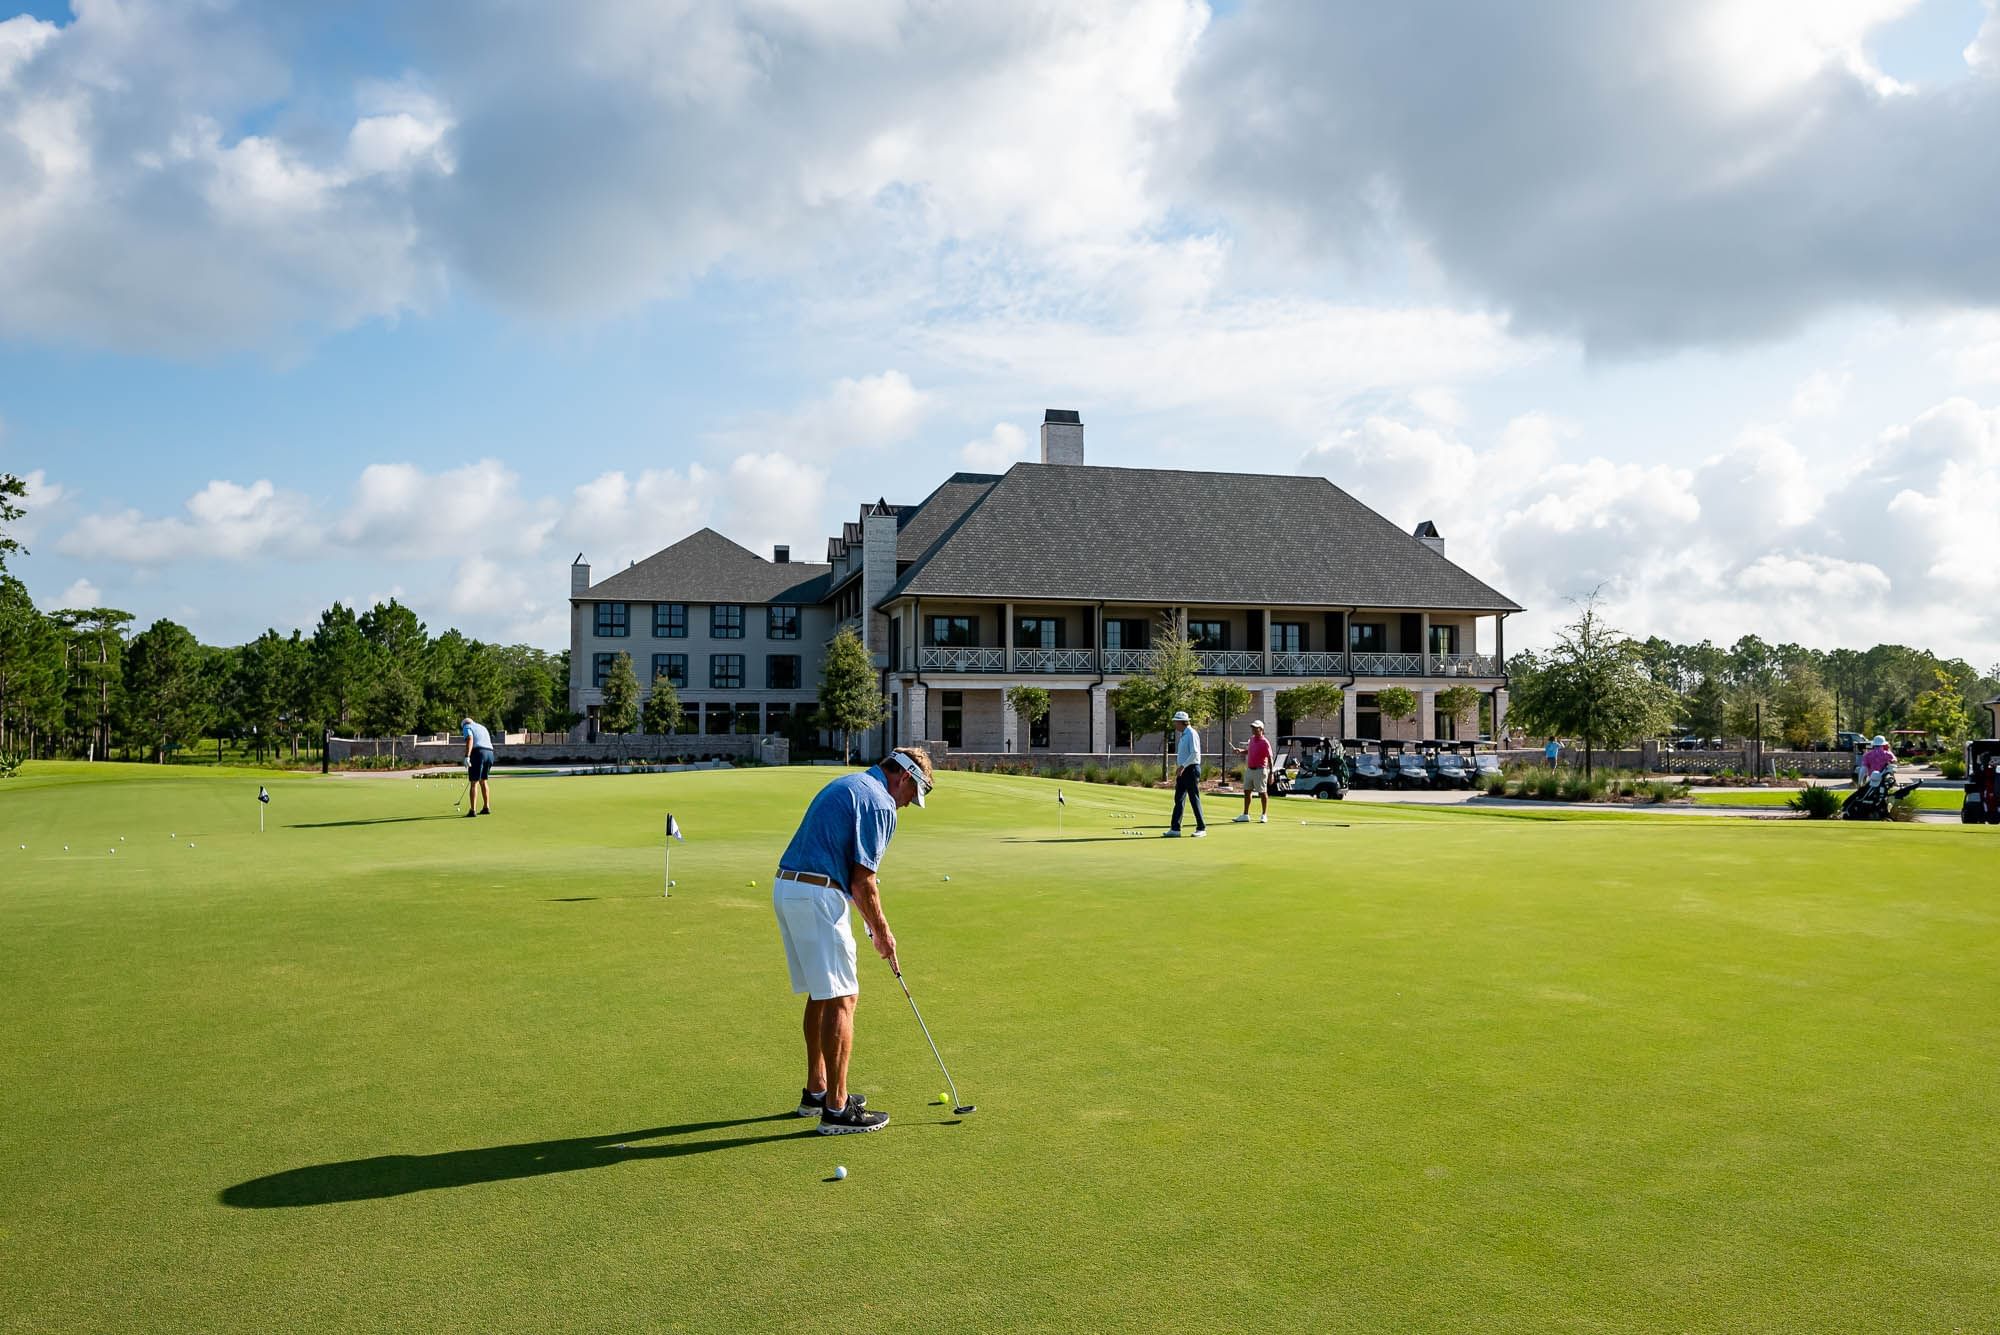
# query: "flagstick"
260,818
667,889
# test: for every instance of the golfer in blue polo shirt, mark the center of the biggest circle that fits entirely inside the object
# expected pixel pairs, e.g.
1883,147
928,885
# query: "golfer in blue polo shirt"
478,764
829,867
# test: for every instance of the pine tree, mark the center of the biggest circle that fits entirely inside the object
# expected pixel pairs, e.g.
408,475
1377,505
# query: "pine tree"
620,710
662,712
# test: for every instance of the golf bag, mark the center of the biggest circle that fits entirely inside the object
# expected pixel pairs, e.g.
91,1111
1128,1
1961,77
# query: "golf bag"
1871,800
1982,785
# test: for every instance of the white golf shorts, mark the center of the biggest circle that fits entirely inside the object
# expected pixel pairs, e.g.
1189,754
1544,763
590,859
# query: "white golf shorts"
819,944
1254,781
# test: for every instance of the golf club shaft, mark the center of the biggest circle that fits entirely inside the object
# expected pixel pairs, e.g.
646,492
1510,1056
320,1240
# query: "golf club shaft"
895,967
956,1101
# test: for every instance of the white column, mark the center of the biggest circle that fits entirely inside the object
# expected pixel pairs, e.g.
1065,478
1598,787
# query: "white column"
1265,705
1427,707
915,726
1349,710
1499,714
1010,725
1267,655
1100,719
1424,643
1007,632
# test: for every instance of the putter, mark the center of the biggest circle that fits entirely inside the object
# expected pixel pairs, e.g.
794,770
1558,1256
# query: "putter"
958,1109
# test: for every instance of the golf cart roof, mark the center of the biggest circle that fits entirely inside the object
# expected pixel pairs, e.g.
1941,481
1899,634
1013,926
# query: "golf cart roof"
1295,738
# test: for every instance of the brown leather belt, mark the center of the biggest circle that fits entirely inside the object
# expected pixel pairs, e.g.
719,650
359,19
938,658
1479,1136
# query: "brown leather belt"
809,878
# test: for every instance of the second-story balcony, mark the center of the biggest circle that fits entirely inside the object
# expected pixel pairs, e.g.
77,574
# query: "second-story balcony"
1213,662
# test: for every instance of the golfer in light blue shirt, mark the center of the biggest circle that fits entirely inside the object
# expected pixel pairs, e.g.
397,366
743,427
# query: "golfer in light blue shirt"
1187,782
478,764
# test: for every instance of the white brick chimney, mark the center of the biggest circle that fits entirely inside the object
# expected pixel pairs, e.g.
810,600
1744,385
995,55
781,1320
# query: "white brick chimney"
579,575
1062,436
1427,534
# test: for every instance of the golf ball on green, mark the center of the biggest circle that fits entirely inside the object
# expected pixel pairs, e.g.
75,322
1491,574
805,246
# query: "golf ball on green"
943,1099
840,1172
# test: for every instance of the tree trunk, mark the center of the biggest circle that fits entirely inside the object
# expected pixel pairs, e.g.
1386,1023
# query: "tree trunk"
1586,757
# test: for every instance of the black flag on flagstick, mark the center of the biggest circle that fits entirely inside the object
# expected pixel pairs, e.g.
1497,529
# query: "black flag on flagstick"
667,870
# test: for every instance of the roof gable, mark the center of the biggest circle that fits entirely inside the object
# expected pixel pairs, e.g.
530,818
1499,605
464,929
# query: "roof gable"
705,567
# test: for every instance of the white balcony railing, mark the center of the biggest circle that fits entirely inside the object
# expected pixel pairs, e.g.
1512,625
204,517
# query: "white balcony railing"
1388,665
947,658
1053,660
1308,664
1127,660
1464,665
1230,662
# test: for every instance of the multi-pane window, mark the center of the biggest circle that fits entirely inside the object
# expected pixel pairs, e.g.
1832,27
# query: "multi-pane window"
670,621
1288,637
748,720
674,667
613,621
955,632
1208,634
600,668
781,672
781,623
1367,637
777,718
1125,634
1444,640
718,720
725,672
1038,732
1038,633
725,621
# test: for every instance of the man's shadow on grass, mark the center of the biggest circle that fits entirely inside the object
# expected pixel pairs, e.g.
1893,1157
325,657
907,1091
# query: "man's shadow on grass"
401,1174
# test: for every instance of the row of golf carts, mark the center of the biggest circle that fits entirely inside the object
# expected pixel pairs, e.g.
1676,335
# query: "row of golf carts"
1328,766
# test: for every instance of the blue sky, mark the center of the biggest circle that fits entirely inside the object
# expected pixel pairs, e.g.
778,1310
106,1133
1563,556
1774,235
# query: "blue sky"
1691,302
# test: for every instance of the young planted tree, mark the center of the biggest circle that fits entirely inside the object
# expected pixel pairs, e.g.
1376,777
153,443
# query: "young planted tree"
1397,702
662,712
1750,711
1226,700
620,710
1592,685
1317,699
1031,706
1171,682
1941,710
850,694
1456,702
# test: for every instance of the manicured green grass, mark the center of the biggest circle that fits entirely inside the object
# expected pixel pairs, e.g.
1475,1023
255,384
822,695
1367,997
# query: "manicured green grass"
383,1069
1925,799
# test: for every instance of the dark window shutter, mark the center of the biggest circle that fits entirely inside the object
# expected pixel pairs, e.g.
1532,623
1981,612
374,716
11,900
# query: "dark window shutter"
1412,634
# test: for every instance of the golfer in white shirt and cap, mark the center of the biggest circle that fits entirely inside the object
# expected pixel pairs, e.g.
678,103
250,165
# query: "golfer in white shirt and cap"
1187,783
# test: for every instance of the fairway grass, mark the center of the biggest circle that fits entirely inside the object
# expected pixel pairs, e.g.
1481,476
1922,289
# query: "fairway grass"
1393,1069
1924,799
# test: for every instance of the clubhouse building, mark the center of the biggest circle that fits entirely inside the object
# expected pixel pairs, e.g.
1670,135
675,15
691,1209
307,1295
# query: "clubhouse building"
1059,575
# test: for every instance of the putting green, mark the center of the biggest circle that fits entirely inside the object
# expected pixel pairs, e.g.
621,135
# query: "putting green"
1924,799
380,1068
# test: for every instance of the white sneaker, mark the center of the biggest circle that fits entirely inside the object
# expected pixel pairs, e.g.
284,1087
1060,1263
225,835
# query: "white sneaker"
1199,834
1243,819
1264,819
1171,834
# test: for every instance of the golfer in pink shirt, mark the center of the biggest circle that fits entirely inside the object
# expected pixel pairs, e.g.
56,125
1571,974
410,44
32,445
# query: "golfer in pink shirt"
1256,772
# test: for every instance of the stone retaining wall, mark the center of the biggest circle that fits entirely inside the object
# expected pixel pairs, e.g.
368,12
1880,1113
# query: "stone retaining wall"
451,751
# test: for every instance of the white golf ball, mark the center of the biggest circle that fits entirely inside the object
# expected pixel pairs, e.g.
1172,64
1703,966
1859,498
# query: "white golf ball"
947,878
65,848
190,843
672,884
840,1172
173,836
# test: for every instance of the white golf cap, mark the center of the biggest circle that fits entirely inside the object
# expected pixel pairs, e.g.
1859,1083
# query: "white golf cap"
1181,716
915,771
1880,740
1258,724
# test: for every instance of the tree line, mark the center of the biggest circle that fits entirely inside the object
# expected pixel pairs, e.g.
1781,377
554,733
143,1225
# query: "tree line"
80,682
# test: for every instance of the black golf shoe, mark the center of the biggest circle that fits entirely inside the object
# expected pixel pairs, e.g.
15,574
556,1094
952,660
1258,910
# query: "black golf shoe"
850,1120
812,1105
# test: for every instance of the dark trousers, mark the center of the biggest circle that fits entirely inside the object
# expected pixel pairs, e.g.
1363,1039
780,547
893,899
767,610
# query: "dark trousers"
1187,788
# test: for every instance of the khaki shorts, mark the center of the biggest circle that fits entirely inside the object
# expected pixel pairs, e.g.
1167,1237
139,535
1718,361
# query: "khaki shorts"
1256,781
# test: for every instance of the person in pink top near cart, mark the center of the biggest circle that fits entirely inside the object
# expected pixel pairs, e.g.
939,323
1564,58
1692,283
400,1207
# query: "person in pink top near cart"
1256,772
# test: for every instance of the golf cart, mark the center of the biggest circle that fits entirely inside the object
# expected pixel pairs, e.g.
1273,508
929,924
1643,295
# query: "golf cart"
1311,767
1484,762
1871,797
1982,783
1366,759
1405,766
1449,767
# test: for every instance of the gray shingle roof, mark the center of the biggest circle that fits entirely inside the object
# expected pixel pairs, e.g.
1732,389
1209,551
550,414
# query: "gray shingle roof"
920,525
705,567
1157,535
